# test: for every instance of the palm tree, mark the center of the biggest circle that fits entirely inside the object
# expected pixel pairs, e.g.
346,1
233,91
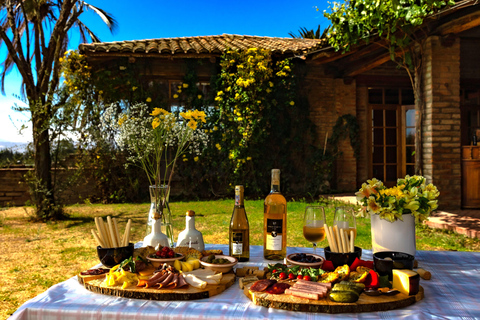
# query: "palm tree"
36,35
304,33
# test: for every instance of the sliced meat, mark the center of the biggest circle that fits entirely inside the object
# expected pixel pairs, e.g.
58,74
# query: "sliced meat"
152,282
314,284
174,281
167,280
277,288
302,294
156,276
262,285
181,281
311,288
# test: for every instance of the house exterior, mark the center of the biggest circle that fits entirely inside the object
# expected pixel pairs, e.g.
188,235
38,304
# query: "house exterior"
367,84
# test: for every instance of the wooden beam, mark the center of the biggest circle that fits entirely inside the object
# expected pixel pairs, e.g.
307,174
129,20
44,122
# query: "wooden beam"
359,68
466,22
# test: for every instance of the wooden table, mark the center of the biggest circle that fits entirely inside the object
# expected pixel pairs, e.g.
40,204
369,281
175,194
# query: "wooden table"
453,293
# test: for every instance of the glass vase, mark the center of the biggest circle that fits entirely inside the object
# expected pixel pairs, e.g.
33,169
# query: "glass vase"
159,225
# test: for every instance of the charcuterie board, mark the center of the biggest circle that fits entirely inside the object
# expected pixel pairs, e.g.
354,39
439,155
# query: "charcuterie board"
364,304
95,284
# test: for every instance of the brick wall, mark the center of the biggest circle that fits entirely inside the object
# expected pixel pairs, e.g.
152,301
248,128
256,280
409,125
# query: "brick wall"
441,125
329,99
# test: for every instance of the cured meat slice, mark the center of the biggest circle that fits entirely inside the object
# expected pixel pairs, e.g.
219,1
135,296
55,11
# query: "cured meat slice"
262,285
174,281
316,289
152,282
181,281
311,283
277,288
302,294
167,280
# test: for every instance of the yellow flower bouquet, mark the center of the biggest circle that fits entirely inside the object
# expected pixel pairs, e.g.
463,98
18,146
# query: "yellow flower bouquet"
411,195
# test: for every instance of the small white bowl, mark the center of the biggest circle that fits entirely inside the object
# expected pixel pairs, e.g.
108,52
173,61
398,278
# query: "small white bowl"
306,264
224,268
159,262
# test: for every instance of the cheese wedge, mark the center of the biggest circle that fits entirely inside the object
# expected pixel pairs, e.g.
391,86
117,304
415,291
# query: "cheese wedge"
406,281
194,281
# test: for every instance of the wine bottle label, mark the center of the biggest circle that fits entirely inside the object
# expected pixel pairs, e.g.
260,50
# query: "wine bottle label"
274,234
237,248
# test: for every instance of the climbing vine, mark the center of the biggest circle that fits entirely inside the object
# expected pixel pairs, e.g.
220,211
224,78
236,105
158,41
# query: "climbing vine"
346,126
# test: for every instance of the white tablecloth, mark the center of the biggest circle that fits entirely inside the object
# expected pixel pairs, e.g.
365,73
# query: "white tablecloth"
452,293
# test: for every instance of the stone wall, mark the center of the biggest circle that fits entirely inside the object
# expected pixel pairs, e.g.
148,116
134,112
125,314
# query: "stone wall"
441,125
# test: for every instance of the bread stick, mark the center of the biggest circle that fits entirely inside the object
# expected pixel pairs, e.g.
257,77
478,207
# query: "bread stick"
352,241
126,237
112,232
117,234
100,243
329,239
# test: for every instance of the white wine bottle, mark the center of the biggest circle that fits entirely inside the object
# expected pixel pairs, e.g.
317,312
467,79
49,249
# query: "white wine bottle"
275,221
239,241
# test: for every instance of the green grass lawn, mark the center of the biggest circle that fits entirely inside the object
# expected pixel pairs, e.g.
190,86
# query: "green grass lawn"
39,255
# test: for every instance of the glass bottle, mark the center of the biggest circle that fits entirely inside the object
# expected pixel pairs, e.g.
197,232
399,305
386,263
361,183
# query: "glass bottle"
275,221
191,237
239,231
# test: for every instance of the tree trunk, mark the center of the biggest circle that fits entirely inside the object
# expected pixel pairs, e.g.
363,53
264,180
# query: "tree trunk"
419,108
42,191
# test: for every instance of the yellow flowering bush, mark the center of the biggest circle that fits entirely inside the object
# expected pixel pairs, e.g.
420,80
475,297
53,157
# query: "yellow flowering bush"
411,195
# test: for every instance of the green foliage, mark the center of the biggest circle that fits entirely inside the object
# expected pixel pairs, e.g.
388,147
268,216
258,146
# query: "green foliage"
346,125
257,123
394,21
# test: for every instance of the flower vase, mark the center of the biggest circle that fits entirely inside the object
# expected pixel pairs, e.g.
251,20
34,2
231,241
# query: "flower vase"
393,236
159,225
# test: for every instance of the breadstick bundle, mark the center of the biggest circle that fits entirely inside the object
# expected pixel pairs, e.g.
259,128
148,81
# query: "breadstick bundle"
340,240
108,235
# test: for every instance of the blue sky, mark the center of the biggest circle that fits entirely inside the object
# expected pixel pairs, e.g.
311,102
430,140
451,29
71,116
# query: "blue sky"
150,19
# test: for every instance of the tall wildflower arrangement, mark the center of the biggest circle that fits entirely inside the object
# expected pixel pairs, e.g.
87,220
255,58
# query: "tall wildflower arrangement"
155,140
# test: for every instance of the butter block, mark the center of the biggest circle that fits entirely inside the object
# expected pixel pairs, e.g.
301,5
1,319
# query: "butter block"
406,281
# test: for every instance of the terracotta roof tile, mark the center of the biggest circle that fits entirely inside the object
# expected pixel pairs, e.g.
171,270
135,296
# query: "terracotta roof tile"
205,45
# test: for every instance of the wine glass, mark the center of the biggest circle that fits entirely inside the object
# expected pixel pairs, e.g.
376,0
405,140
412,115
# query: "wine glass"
344,218
314,225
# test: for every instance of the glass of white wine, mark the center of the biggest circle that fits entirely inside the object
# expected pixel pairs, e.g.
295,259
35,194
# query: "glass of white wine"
344,218
314,225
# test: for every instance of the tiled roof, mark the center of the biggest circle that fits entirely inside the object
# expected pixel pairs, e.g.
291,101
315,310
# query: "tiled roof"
205,45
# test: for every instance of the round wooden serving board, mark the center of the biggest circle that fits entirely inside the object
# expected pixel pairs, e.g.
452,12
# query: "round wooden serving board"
94,284
364,304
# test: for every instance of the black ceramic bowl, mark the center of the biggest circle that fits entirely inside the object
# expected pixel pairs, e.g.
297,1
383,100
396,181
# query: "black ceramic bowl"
110,257
340,259
385,261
